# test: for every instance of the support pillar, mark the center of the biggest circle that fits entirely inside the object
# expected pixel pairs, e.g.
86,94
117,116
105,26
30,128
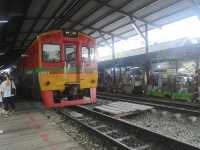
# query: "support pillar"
113,55
197,64
113,58
147,60
176,61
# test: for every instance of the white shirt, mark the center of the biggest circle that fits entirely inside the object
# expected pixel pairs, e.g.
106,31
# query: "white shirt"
6,88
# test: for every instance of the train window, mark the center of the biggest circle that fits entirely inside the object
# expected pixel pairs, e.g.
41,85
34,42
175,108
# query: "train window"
51,53
92,54
70,53
85,54
88,54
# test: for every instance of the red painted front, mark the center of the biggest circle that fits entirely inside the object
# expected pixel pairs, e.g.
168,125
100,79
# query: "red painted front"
48,101
59,38
34,53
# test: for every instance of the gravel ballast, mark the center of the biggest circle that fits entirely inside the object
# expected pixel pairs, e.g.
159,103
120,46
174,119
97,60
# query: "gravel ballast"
179,126
176,125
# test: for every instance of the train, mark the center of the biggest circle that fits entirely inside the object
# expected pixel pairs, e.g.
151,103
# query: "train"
60,69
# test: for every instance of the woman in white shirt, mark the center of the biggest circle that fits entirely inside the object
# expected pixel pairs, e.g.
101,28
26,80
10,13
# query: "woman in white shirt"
8,90
1,107
1,102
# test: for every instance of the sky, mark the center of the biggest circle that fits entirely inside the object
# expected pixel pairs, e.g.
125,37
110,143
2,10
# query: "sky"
186,28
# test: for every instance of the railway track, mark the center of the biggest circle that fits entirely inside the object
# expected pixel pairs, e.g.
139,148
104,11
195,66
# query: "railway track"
163,104
120,133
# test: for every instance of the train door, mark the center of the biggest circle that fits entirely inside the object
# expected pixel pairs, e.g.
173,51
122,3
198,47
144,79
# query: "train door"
72,87
71,67
71,58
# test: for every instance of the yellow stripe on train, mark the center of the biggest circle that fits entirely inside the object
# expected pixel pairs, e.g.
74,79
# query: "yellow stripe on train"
50,82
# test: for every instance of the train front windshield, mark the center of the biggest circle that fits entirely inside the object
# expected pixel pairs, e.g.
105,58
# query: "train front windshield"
51,53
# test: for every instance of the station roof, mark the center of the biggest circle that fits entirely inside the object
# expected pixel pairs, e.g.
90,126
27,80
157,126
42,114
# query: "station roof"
181,53
99,18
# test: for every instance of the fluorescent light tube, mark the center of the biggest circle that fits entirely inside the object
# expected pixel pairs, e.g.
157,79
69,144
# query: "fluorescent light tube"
3,21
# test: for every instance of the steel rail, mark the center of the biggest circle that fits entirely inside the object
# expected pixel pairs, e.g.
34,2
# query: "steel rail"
154,99
143,133
101,134
163,104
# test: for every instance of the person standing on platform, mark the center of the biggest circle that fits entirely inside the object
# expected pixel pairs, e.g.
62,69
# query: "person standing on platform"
9,91
1,102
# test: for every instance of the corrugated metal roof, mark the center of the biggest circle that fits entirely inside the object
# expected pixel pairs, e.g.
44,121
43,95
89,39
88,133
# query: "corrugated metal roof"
110,17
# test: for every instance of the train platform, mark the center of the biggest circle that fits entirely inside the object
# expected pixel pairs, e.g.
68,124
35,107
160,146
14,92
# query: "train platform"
30,128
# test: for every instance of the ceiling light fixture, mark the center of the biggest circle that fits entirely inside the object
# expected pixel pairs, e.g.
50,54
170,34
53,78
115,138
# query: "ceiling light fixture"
3,21
24,55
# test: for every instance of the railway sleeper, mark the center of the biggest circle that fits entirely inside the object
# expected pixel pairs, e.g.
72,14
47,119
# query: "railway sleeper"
99,127
123,138
105,134
86,119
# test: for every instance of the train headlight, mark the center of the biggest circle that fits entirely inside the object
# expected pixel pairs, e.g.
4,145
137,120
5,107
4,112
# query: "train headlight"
47,83
93,81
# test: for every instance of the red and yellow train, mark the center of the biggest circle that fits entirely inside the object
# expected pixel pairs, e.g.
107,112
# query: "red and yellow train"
60,69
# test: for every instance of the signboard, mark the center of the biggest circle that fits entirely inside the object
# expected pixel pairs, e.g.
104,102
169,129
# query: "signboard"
71,34
171,71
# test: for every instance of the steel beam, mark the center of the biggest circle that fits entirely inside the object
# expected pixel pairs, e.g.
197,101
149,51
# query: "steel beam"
142,26
61,13
42,9
85,26
98,30
43,18
196,6
122,16
92,11
105,40
21,23
92,28
143,17
174,3
137,28
111,31
104,16
129,15
71,12
70,6
53,15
